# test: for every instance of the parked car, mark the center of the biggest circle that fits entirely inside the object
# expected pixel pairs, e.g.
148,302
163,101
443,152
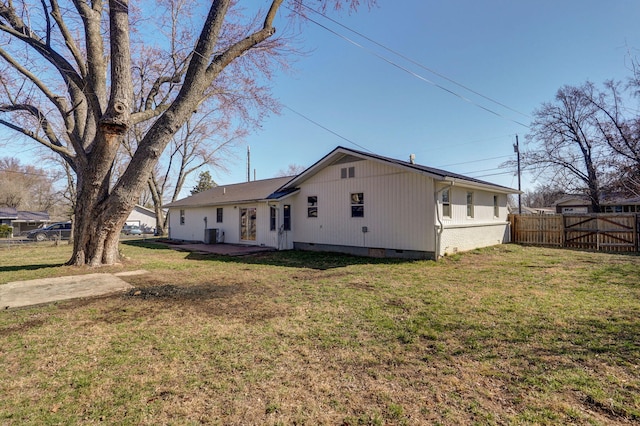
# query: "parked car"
56,231
131,230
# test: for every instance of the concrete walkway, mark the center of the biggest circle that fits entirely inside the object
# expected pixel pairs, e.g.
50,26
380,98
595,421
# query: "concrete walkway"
45,290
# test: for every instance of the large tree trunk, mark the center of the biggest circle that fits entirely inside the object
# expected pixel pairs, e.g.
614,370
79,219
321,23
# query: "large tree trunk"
94,121
100,214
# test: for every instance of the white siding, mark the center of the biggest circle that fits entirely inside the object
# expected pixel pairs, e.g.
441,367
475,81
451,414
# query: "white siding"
194,226
468,238
398,208
141,218
461,232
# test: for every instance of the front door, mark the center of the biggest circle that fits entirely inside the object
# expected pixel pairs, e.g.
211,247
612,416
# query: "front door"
248,224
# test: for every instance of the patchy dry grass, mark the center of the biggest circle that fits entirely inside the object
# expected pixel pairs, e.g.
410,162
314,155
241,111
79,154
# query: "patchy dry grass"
505,335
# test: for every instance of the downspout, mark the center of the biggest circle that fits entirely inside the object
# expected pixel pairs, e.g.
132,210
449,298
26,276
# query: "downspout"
440,225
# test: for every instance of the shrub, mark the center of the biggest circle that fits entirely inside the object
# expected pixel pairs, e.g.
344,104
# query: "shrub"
6,231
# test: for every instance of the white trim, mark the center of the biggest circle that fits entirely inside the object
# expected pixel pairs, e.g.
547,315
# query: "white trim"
475,225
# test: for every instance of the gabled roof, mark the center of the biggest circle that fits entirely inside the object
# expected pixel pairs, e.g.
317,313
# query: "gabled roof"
145,210
343,155
8,213
258,190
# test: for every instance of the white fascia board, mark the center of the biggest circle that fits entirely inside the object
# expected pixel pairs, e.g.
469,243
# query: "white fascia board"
477,185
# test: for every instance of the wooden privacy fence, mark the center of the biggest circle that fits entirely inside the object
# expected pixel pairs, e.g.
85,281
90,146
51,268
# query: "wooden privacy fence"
598,232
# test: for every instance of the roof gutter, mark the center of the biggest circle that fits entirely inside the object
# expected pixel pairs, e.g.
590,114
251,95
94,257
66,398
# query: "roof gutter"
486,187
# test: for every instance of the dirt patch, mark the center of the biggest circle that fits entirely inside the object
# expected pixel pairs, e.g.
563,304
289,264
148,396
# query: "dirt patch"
171,291
20,328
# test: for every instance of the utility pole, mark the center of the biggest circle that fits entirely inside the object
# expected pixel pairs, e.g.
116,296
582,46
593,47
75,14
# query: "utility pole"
248,163
516,149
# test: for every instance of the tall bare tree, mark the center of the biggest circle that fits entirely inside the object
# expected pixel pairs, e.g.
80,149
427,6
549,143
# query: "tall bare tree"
619,128
564,144
67,85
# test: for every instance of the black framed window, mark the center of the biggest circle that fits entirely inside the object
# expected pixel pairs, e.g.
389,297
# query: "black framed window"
347,172
219,211
446,204
272,218
181,217
357,204
286,217
312,206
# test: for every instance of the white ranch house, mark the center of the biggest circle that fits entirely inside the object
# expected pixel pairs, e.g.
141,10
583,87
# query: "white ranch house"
351,202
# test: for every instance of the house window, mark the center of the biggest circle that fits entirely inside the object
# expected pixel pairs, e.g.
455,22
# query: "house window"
496,208
469,204
357,204
446,204
286,217
272,218
312,206
219,215
181,217
347,172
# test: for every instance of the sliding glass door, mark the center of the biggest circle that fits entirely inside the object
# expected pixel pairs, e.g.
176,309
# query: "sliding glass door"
248,224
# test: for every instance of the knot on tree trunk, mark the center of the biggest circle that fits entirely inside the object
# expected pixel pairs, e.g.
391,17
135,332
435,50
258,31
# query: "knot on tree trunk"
116,119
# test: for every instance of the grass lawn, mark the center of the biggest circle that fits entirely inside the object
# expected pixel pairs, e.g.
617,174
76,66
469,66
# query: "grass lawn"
504,335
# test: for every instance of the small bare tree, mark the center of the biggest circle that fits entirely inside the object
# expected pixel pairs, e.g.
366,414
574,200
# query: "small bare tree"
26,187
291,170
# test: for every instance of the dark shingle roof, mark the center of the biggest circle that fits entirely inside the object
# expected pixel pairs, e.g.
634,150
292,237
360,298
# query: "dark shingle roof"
237,193
8,213
24,216
438,173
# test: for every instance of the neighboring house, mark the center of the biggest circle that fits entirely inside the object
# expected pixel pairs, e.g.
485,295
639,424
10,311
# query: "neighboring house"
609,204
351,202
532,210
22,221
142,217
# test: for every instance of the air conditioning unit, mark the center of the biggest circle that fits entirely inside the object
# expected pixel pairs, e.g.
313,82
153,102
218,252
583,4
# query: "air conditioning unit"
212,236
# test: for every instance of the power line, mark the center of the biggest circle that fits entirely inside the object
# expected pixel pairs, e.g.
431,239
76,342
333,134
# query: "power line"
23,173
368,150
493,174
418,64
327,129
482,171
476,161
418,76
441,146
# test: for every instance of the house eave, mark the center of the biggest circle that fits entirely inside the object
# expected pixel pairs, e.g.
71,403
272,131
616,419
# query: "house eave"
217,204
477,185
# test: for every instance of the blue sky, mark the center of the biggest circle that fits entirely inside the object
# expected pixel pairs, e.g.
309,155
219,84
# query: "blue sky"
513,51
517,52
